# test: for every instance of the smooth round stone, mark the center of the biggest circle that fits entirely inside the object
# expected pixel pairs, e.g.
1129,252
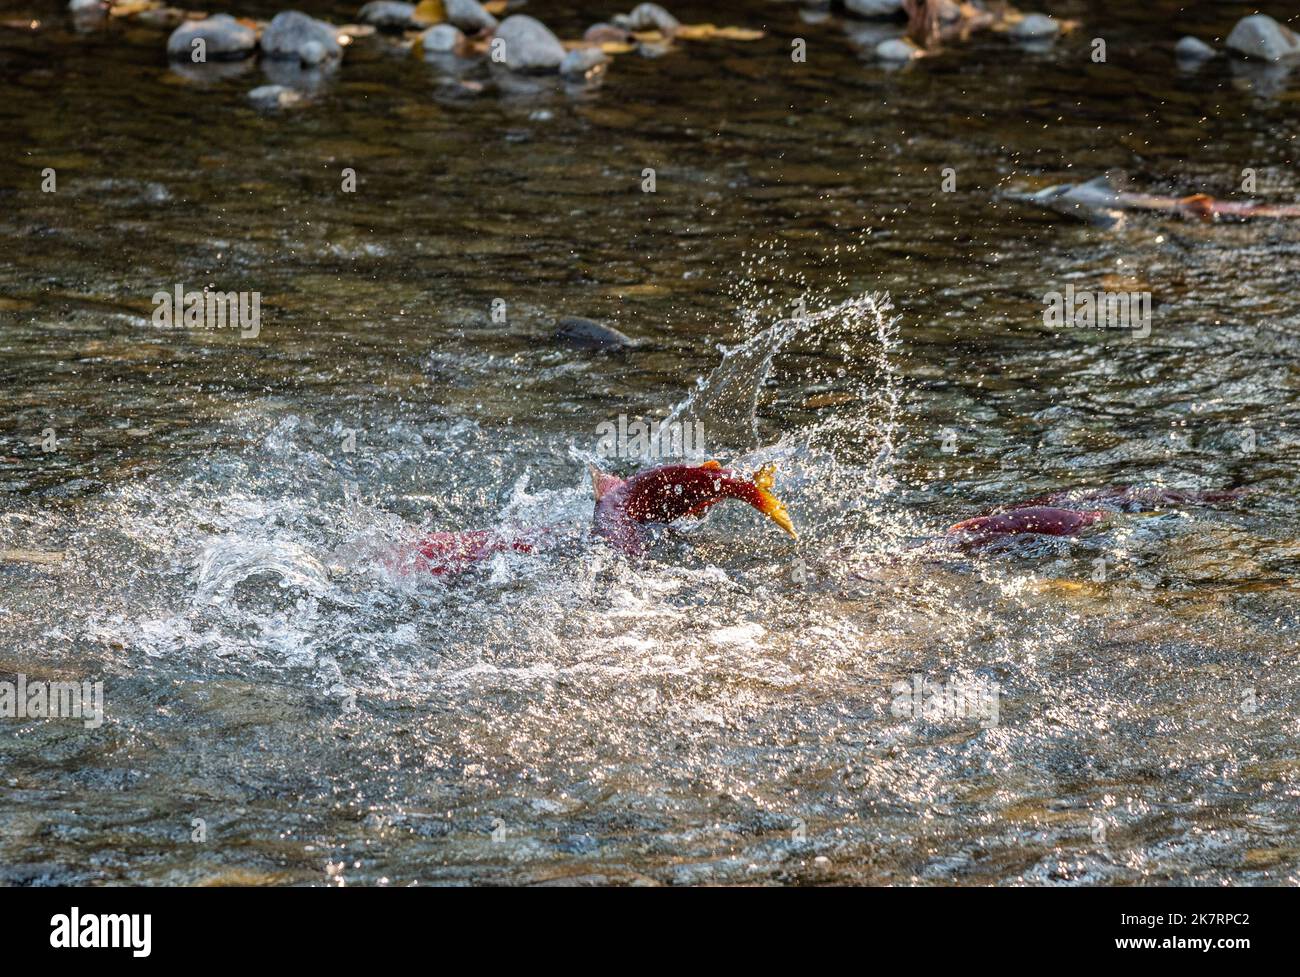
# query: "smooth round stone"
290,32
313,52
224,38
581,60
649,17
388,15
529,44
469,15
590,334
1260,36
1193,49
1036,27
442,39
873,8
896,49
274,97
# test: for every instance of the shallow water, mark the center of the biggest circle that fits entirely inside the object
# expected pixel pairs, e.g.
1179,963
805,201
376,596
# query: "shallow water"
723,711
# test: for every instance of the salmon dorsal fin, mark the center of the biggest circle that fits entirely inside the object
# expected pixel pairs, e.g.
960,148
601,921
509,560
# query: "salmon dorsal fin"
602,483
712,466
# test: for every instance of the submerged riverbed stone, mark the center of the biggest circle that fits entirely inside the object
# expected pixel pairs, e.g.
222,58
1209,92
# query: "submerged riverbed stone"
1260,36
873,8
529,44
224,38
274,97
469,15
388,15
649,17
590,334
581,60
1193,49
897,49
1035,27
442,39
292,34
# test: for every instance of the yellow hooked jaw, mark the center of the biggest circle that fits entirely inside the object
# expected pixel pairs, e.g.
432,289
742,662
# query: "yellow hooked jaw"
769,504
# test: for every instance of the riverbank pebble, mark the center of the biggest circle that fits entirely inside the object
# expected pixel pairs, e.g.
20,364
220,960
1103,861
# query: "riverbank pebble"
874,8
292,34
1035,27
224,38
469,15
580,61
529,44
1193,49
648,17
388,15
1260,36
442,39
274,97
897,50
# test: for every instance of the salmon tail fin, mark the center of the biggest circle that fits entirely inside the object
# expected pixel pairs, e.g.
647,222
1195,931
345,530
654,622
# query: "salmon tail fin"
769,504
602,482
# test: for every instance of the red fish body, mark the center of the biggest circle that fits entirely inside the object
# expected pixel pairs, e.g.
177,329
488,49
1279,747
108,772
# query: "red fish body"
1042,520
655,495
442,553
671,492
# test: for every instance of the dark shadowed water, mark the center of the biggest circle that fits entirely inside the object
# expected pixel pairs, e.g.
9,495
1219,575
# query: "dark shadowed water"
283,708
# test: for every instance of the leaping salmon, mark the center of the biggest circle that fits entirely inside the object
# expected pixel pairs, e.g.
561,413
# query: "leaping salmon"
623,507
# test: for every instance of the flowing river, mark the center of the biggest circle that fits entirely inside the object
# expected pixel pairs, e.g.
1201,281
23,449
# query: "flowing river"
829,276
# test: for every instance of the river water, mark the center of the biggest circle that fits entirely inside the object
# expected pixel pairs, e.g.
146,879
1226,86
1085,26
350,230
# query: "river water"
283,707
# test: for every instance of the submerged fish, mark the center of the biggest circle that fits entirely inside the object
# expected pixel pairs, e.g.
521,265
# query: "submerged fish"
623,506
1040,520
1061,514
1101,200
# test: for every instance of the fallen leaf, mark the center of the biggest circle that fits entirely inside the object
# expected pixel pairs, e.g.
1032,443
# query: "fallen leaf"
430,12
710,32
128,7
496,7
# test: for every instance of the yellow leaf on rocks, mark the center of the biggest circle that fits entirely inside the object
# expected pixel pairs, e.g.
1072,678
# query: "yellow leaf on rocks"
430,11
496,7
614,47
125,8
711,32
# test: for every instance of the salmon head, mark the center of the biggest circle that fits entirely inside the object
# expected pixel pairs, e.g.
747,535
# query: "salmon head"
670,492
